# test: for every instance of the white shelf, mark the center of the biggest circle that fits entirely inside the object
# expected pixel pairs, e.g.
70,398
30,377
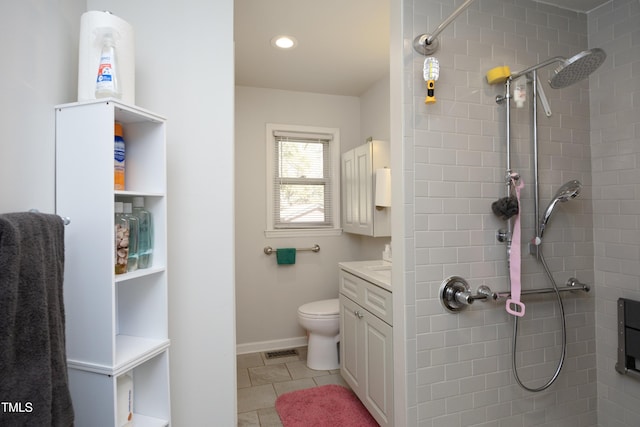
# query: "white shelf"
130,352
139,273
126,193
133,351
144,421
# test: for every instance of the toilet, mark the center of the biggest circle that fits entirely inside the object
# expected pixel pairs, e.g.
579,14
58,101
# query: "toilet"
321,319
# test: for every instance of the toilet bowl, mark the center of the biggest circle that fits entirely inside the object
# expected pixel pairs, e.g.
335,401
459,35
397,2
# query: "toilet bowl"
321,319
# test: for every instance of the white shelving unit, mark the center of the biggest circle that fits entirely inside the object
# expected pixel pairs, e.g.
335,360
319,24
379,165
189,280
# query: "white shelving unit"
115,324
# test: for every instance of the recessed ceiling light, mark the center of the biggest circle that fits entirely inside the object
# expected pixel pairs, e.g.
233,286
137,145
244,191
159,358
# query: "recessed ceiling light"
284,42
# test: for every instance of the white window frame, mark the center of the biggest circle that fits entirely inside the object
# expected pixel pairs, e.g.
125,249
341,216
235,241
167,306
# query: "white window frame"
334,152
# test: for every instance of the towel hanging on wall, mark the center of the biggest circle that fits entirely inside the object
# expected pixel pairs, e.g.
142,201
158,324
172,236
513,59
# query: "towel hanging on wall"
33,359
286,255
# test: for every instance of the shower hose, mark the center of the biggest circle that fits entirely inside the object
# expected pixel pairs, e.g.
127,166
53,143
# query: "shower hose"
564,335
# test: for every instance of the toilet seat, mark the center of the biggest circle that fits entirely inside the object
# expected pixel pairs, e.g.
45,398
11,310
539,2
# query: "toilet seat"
323,308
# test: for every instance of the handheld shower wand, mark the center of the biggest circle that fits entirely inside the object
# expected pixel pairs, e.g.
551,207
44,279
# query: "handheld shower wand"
568,191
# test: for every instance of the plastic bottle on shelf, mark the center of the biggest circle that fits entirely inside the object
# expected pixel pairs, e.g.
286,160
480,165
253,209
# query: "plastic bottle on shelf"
134,230
121,241
145,235
118,157
107,82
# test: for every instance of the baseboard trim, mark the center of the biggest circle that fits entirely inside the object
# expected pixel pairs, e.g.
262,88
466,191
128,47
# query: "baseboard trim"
254,347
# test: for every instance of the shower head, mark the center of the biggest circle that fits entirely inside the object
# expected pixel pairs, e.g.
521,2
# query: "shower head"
567,192
576,68
570,71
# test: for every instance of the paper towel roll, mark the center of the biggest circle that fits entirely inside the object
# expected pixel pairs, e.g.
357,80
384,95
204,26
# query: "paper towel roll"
91,24
383,187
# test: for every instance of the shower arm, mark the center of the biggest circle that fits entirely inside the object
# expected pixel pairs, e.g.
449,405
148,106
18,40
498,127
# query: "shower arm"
536,67
427,44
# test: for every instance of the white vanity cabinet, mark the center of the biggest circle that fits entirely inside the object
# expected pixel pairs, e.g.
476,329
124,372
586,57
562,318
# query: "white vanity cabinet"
366,341
116,325
359,214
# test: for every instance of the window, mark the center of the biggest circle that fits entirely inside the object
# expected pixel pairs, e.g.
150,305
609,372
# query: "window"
302,180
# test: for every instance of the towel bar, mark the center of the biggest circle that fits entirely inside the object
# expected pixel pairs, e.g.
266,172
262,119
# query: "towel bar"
65,219
269,250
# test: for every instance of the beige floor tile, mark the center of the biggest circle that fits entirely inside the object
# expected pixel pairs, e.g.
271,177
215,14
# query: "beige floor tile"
249,360
299,369
269,418
249,419
286,387
269,374
243,378
330,379
254,398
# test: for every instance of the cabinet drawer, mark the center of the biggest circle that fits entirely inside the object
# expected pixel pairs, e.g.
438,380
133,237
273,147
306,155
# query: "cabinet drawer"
371,297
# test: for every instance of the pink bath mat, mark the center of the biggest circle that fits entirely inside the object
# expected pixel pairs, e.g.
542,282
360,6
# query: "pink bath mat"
325,406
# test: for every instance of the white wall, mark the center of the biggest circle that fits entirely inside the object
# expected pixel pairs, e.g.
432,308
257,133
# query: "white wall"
39,69
184,70
375,111
615,147
268,295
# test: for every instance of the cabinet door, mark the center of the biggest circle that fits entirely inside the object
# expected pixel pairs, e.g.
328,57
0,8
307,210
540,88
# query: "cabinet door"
363,189
366,359
350,343
377,387
349,213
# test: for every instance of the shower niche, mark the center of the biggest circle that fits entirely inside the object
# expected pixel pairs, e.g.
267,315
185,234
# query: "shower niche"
628,337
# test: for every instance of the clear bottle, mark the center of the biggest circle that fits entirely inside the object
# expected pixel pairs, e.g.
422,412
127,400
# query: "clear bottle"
107,82
118,158
121,239
134,230
145,236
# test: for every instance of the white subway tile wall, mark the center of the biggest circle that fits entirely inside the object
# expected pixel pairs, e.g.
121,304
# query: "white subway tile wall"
459,365
615,151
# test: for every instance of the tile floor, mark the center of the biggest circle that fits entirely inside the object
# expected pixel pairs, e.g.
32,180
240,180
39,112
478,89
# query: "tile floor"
261,381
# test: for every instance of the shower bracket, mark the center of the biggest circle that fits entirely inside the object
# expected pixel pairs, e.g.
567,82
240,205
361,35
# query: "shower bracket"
502,98
503,236
422,44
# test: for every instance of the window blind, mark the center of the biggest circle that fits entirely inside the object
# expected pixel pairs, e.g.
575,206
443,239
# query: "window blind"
302,187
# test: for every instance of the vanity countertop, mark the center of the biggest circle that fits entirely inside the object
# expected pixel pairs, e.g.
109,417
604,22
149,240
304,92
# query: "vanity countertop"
377,271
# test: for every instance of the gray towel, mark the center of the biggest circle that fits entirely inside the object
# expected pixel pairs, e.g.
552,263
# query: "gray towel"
33,366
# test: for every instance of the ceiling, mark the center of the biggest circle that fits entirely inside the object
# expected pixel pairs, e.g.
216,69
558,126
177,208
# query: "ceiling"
343,45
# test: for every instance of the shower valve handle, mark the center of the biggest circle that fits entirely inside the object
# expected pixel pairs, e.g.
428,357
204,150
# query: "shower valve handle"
455,294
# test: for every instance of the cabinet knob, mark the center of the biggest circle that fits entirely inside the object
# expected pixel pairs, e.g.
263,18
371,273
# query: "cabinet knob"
358,314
